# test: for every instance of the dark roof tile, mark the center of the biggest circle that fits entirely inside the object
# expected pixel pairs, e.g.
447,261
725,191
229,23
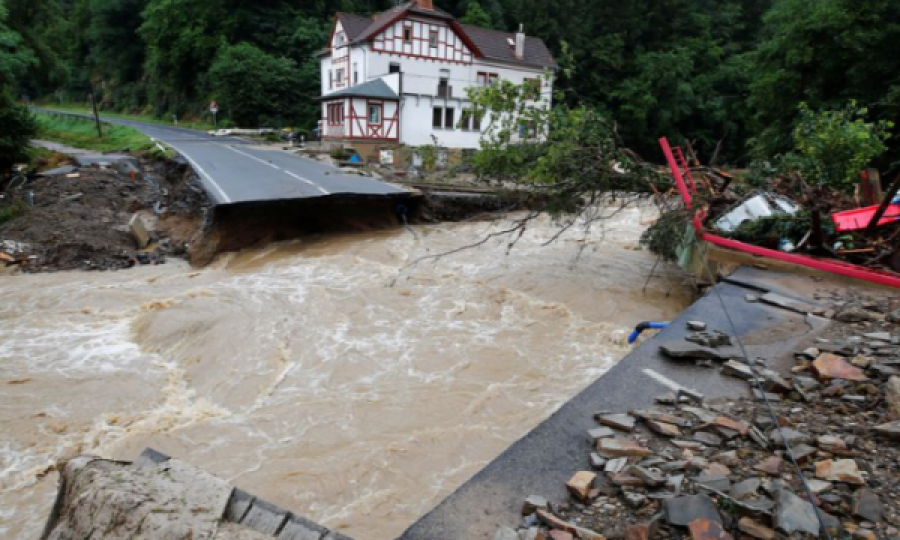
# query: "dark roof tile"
494,45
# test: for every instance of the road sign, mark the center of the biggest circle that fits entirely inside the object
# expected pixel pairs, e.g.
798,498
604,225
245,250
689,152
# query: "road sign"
214,107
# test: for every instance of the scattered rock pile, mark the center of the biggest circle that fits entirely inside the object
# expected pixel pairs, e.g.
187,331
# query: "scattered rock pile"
722,469
79,218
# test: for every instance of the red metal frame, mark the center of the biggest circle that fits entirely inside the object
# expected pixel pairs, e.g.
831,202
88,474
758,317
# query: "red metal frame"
682,175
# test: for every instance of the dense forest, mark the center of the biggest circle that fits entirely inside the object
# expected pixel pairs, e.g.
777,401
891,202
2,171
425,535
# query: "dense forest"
733,71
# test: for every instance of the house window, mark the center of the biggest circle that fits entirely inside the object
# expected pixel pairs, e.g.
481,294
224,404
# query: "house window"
340,76
484,79
442,117
444,89
375,114
527,129
433,39
532,89
407,34
335,114
330,80
465,120
437,118
476,120
448,117
355,73
394,68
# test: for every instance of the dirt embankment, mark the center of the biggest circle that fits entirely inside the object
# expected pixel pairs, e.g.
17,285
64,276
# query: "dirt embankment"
81,220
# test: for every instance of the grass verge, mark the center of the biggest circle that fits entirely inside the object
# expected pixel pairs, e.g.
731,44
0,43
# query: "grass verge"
82,133
84,109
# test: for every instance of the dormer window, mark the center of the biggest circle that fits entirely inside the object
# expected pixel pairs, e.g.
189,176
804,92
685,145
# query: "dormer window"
407,34
433,39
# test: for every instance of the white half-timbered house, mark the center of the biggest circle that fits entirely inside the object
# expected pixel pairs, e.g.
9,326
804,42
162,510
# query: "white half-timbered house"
400,77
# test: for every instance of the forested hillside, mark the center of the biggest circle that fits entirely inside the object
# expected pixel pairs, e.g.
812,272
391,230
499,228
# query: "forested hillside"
709,70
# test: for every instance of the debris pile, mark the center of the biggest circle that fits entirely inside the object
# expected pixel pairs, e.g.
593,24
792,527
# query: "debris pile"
790,214
724,468
100,218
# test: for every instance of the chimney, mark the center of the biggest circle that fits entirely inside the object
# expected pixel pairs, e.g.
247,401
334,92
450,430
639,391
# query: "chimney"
520,42
425,4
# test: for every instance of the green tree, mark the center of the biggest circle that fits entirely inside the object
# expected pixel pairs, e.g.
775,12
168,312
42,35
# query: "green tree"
477,16
824,53
249,97
18,124
833,146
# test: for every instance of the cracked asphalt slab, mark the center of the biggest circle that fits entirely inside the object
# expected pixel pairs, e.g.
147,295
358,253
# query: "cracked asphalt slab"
234,171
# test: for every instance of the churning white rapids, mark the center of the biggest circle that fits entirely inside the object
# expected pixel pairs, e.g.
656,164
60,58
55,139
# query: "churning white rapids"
326,375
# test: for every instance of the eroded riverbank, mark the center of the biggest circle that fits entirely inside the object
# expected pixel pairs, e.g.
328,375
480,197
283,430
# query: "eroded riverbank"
299,373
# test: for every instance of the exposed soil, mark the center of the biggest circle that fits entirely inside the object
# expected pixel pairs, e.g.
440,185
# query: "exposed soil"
81,222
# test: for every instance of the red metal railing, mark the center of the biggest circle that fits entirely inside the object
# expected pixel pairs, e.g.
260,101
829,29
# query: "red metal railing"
682,175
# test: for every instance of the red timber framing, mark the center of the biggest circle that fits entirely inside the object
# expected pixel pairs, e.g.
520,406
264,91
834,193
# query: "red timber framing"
388,129
452,44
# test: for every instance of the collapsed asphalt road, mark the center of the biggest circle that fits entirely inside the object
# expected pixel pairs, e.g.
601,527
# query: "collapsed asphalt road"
234,171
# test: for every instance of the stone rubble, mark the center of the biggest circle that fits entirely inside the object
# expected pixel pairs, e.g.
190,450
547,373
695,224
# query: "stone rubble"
723,468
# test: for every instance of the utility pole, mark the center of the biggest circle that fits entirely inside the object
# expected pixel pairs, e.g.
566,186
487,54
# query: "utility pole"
96,114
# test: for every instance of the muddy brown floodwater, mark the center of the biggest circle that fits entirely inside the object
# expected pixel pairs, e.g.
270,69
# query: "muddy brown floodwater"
301,374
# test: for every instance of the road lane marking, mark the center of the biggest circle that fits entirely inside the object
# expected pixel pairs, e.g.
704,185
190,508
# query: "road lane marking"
251,156
199,169
276,167
310,182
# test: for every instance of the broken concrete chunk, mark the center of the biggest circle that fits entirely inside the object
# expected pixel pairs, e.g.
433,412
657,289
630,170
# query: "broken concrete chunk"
621,448
597,461
533,503
696,326
614,466
795,515
681,511
624,422
580,484
841,470
831,366
139,231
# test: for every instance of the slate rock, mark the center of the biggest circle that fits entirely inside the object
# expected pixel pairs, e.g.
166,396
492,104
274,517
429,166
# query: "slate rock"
867,505
892,396
756,529
621,448
890,430
831,366
623,422
533,503
747,488
740,370
597,461
854,314
707,529
680,350
696,326
662,428
771,466
789,436
842,470
681,511
793,514
600,433
707,438
718,482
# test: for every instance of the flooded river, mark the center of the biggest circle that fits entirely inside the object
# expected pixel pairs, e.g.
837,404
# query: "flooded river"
327,376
